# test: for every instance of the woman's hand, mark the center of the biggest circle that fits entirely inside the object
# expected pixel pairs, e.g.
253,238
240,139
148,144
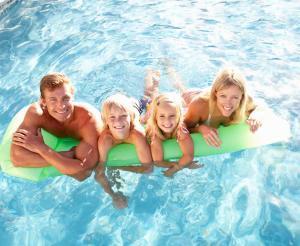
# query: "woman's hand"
210,135
254,124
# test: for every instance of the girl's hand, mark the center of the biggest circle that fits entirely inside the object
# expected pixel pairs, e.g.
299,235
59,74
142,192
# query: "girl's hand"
210,135
170,171
254,124
194,165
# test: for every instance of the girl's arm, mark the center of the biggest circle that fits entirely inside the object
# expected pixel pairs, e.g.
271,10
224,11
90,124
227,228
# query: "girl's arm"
157,153
187,147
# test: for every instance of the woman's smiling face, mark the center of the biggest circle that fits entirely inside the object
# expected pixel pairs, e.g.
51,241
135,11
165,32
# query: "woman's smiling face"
228,100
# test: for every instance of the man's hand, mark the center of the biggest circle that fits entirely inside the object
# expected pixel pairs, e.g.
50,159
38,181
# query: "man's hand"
28,140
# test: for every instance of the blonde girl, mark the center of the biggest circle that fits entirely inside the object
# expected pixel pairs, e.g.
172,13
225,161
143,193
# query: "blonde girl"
121,125
166,122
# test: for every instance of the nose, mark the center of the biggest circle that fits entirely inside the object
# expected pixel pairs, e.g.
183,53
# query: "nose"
61,105
168,122
228,101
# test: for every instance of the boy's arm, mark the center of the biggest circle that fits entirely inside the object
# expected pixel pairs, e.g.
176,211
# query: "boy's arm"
105,143
142,147
143,152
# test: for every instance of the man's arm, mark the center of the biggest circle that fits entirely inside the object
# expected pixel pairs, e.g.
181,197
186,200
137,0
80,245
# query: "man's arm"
38,154
84,153
20,156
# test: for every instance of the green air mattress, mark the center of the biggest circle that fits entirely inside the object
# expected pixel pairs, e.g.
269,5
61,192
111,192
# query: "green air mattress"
234,138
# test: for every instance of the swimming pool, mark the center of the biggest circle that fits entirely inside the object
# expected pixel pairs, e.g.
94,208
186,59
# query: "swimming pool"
246,198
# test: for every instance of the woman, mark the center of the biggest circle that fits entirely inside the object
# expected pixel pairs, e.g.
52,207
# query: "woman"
226,102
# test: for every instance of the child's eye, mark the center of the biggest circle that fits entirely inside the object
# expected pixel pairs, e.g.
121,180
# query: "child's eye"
172,116
161,116
111,117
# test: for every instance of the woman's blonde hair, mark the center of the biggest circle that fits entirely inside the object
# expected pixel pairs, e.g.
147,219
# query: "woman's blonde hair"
225,78
124,103
152,128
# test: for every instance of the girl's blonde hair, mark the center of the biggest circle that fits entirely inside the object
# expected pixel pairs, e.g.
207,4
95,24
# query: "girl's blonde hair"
225,78
152,128
124,103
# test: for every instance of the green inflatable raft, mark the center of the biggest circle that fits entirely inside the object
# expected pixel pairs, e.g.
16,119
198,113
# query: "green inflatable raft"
234,138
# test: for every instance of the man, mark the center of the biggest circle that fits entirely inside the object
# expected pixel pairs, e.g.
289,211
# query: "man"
58,114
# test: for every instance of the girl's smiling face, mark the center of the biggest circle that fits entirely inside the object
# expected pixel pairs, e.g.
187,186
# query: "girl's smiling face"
119,123
228,100
166,117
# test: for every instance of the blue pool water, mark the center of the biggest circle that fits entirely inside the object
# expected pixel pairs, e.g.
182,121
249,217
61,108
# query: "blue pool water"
250,197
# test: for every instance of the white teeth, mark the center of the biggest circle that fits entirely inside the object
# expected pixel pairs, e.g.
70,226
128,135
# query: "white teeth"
227,108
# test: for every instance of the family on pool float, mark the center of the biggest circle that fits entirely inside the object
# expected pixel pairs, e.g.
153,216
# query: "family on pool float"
165,116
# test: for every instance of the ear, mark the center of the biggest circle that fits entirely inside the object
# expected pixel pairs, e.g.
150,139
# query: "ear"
43,102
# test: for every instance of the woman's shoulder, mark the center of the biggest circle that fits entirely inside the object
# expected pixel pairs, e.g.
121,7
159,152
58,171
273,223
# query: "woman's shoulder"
199,101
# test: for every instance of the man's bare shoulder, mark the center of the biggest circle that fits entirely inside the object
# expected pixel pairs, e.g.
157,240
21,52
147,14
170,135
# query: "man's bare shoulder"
33,117
35,109
88,110
87,115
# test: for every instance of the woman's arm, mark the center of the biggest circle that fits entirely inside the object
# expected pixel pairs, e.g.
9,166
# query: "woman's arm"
195,117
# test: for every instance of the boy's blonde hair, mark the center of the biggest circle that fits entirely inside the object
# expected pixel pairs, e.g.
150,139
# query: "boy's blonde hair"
124,103
225,78
152,128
